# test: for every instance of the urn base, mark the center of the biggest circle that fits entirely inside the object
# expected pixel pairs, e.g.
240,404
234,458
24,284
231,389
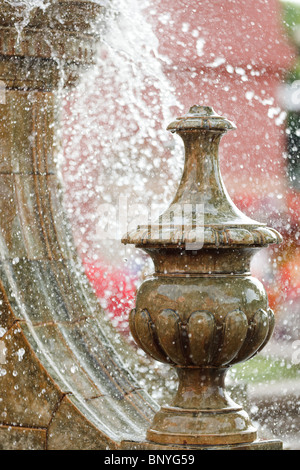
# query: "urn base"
201,427
202,413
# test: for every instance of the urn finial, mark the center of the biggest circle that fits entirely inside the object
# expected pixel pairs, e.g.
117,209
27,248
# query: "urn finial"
201,310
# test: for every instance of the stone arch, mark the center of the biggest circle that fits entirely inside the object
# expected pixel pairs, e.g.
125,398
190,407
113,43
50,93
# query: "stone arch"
63,380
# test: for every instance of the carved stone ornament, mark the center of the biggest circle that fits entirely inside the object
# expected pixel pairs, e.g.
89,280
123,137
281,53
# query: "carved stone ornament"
201,310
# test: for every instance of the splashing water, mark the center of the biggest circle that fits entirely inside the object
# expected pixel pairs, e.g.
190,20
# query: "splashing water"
115,143
116,146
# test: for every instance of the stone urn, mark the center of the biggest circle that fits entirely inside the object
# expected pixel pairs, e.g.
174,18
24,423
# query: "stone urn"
201,311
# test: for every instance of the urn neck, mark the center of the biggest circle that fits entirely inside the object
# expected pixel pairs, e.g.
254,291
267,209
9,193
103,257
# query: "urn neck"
201,180
202,184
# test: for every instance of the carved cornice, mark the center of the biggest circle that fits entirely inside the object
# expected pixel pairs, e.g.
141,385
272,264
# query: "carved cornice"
70,46
251,236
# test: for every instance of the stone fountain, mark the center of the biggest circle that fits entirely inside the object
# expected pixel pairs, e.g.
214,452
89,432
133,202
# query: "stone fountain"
64,384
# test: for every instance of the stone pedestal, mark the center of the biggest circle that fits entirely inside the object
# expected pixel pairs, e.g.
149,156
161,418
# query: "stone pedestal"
201,310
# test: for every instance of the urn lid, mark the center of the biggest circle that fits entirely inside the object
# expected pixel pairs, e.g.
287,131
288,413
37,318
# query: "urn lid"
202,213
201,117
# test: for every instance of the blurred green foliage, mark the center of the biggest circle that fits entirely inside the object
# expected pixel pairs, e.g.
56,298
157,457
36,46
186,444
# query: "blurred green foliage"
265,369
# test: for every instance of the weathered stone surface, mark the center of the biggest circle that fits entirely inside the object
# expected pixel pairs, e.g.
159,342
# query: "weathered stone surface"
41,291
70,429
257,445
28,395
16,438
63,375
28,216
201,310
60,361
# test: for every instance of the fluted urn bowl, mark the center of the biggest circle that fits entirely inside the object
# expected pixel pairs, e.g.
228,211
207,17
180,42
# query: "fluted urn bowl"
202,323
197,322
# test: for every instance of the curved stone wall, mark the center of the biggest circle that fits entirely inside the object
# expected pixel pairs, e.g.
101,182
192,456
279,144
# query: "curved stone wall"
65,375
